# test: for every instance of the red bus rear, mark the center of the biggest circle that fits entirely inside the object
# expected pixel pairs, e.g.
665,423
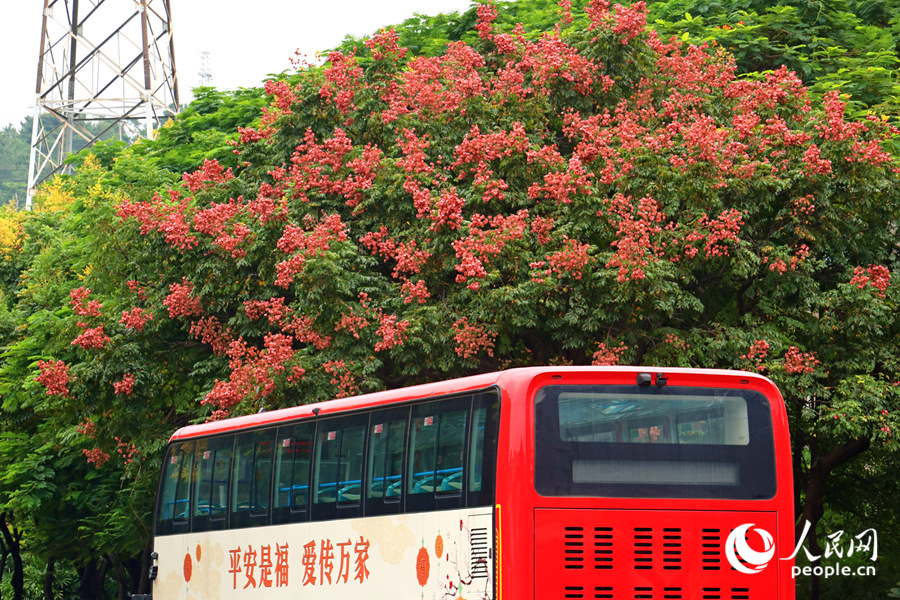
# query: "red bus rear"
629,483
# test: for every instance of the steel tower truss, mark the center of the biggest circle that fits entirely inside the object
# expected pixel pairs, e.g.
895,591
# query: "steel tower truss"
105,67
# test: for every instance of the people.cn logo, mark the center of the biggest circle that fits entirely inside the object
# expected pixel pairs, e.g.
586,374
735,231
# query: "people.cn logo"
744,558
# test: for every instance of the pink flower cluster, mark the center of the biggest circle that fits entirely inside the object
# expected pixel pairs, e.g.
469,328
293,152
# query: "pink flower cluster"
87,428
208,175
81,305
796,362
607,356
136,318
55,377
126,450
125,386
181,301
471,339
758,352
96,457
876,276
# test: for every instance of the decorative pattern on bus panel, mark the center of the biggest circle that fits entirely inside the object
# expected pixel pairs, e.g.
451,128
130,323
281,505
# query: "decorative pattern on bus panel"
432,555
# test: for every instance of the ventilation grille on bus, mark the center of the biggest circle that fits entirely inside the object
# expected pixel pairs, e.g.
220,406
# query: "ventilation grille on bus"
657,593
651,555
652,548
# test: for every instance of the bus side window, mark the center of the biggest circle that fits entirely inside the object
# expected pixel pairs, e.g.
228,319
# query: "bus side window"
482,466
384,474
476,451
292,468
174,498
252,478
338,467
437,448
422,448
211,483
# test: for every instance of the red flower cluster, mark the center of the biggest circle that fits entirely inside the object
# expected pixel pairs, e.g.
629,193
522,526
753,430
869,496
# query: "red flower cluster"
209,175
126,450
87,428
96,457
607,356
488,236
82,306
210,330
136,318
796,362
392,332
342,377
472,339
759,350
181,302
91,337
168,218
877,276
55,377
125,386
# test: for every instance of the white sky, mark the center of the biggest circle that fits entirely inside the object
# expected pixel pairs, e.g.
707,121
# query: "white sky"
246,39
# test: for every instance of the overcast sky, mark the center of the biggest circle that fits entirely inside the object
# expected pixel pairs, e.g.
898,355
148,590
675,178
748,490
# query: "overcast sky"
246,39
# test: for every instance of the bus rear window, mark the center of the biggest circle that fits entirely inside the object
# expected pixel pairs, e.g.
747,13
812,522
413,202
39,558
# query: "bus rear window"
618,441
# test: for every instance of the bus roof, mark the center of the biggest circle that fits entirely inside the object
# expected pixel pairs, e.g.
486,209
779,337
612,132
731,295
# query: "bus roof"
440,388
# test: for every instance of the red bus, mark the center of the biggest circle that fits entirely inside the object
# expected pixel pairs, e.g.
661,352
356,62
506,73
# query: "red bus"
534,483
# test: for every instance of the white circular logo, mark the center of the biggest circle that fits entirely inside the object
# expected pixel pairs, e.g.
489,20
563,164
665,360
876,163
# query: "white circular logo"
737,550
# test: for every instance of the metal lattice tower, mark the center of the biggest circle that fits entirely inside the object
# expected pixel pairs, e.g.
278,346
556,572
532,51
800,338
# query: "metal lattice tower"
105,67
205,72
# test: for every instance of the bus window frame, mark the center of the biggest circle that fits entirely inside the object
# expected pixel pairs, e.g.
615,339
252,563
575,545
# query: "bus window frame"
252,517
175,525
290,513
489,400
324,511
386,505
209,522
435,499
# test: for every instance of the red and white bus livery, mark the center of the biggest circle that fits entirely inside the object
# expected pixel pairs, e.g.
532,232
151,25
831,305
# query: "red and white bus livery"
538,483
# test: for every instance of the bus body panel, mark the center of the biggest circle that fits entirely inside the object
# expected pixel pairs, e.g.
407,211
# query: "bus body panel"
434,555
522,544
625,554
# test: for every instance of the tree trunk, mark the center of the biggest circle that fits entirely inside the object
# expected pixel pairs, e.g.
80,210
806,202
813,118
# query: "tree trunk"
143,583
4,554
49,576
814,503
122,579
12,538
93,575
